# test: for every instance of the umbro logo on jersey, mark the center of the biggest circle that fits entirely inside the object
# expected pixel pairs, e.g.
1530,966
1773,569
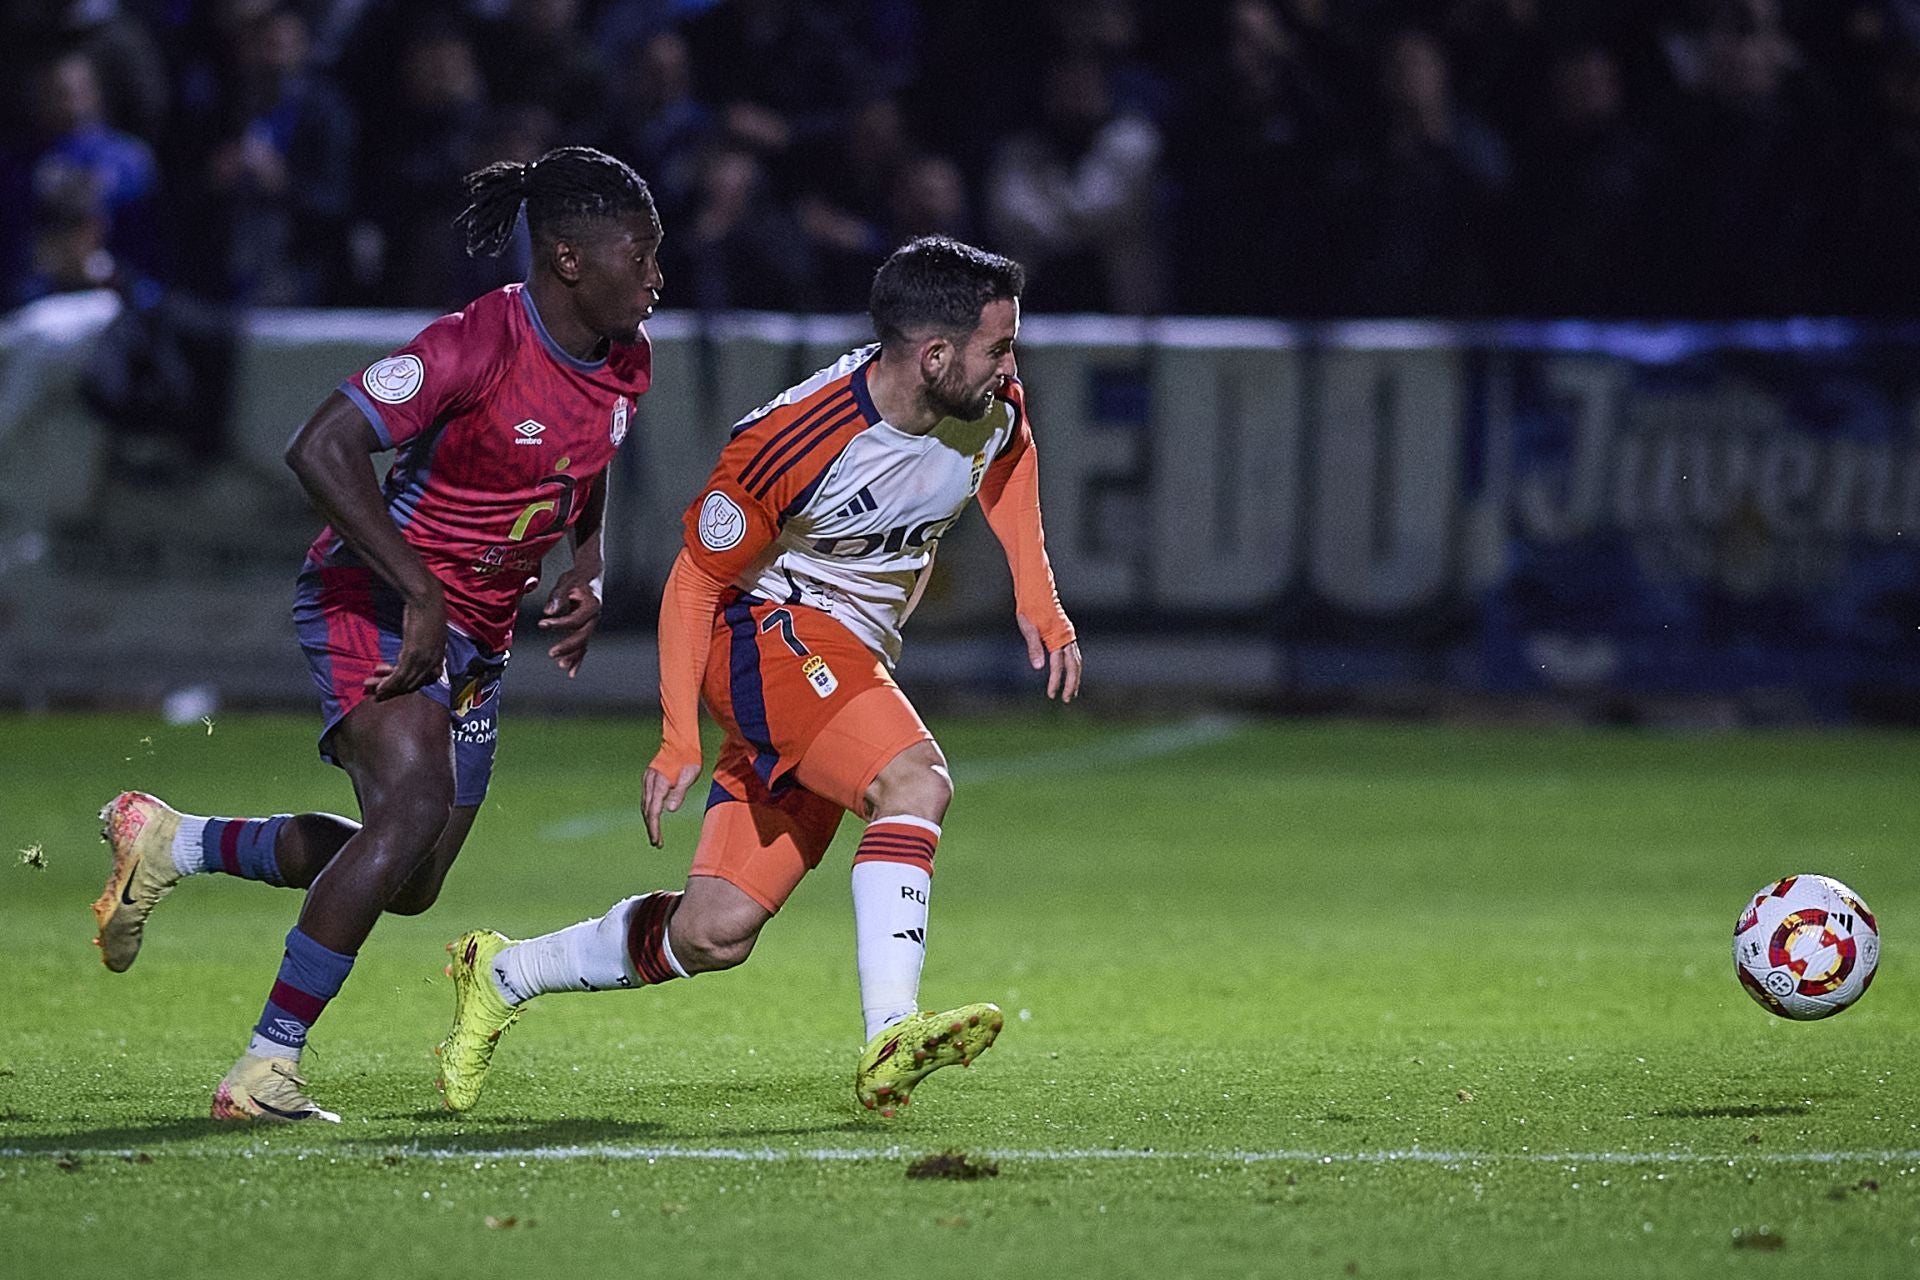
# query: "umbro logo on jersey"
913,935
861,503
529,432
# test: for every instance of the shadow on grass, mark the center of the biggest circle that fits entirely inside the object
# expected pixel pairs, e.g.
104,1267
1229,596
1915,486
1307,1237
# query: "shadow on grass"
126,1137
439,1130
445,1131
1738,1111
804,1130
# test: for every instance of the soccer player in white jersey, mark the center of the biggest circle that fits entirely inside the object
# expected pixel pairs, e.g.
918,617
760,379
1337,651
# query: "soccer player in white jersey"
804,554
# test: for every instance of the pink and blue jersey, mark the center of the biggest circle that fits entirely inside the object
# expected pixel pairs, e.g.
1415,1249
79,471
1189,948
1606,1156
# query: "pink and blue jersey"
500,434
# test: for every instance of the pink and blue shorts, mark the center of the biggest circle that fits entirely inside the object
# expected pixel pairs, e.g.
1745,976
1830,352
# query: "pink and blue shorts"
349,621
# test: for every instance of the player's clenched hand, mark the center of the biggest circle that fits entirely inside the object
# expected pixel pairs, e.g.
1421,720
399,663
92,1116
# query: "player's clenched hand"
1062,665
573,610
423,651
663,795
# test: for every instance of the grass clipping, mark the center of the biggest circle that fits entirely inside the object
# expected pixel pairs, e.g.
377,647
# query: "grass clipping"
956,1165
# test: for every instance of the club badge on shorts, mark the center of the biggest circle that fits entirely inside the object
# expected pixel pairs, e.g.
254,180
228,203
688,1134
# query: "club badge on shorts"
819,675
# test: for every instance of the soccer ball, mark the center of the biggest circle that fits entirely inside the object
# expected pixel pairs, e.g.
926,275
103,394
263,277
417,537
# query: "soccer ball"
1806,947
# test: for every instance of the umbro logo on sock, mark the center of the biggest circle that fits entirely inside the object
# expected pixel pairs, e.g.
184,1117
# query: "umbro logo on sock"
913,935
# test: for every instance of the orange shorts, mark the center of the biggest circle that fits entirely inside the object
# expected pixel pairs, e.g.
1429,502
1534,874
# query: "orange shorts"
811,717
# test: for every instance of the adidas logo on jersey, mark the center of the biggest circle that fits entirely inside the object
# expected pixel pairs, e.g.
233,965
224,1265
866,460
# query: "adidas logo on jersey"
861,503
913,935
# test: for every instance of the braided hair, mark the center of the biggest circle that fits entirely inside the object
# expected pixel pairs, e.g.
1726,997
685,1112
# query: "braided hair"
562,189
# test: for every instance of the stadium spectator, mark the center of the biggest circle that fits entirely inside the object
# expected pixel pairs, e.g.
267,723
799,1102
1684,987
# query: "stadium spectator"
929,197
843,208
130,64
68,135
655,123
1077,198
742,247
537,55
69,247
426,140
275,184
780,72
1253,134
1110,32
1412,197
1747,172
1584,197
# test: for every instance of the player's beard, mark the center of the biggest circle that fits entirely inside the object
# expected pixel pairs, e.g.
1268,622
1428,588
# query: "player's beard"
954,399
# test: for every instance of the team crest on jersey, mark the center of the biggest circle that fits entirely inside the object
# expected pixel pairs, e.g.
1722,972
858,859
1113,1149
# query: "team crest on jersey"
819,675
396,379
620,409
722,522
979,469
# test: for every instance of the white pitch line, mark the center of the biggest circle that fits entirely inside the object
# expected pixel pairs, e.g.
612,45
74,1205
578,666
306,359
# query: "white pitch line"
835,1155
1144,744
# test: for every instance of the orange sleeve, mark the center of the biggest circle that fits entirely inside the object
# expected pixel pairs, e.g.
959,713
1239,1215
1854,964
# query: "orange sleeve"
1010,499
687,607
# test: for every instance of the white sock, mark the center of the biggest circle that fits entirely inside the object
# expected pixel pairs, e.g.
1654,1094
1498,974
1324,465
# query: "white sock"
261,1047
890,932
589,956
189,858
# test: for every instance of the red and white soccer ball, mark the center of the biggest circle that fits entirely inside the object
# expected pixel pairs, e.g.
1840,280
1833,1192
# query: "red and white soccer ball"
1806,947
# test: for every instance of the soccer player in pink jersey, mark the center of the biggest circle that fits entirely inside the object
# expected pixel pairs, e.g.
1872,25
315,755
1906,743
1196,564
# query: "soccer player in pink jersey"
804,554
503,418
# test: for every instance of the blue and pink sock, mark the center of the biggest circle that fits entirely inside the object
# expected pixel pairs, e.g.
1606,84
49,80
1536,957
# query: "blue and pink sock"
236,846
310,976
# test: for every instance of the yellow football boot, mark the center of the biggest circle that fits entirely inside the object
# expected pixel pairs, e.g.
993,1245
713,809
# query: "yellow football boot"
479,1016
901,1055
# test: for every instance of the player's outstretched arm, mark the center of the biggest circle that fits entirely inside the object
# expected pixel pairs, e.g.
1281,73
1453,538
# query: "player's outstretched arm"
1010,499
687,607
573,610
332,454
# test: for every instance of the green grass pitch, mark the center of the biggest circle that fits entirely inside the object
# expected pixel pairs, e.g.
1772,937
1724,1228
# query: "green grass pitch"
1312,999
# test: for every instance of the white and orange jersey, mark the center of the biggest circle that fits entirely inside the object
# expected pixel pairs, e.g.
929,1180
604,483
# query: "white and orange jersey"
817,500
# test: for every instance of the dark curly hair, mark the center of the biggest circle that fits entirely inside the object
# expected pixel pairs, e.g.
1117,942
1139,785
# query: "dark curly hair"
940,284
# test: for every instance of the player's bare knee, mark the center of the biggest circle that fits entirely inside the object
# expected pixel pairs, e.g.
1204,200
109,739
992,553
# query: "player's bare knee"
420,892
914,783
707,946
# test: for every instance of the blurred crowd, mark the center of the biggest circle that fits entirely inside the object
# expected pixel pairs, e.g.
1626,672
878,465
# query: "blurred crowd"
1253,157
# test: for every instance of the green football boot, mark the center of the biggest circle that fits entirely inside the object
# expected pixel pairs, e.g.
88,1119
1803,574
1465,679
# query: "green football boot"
901,1055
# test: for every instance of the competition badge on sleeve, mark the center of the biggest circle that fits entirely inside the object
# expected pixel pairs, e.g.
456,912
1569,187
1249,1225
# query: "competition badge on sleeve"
396,379
722,523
